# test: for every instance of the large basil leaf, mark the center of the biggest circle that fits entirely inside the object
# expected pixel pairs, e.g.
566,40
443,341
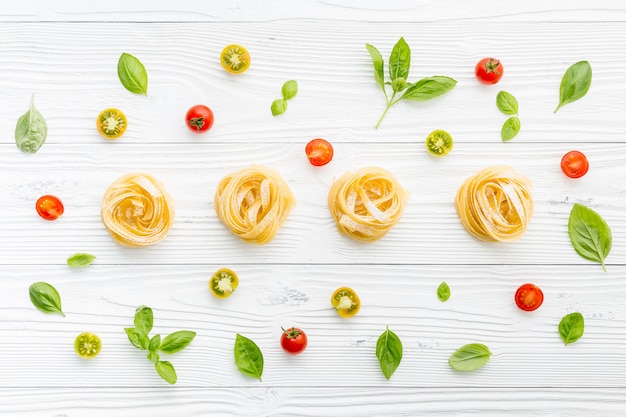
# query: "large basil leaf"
590,235
31,129
575,83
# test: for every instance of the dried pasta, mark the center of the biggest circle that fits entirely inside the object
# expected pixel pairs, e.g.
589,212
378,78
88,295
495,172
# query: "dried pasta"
137,211
254,203
495,204
367,203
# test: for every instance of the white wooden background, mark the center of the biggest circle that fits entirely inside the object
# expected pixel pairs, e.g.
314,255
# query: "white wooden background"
65,52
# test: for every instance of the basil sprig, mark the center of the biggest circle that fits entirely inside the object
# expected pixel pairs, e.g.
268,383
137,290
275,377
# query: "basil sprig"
248,357
443,292
571,327
80,260
575,83
175,342
31,129
399,66
590,235
507,104
389,352
45,298
470,357
289,91
132,74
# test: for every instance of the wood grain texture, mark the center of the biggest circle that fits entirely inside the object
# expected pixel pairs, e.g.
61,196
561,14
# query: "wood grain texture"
66,54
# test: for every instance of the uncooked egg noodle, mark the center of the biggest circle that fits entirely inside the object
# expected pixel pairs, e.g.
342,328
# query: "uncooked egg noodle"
254,203
137,211
495,204
367,203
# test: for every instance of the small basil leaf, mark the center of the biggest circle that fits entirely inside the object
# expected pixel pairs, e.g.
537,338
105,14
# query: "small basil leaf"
575,83
80,260
166,371
155,342
590,235
510,128
377,60
400,60
138,339
153,357
571,327
144,319
279,106
470,357
443,292
248,357
398,84
429,88
45,298
31,129
132,74
177,341
389,352
290,89
507,103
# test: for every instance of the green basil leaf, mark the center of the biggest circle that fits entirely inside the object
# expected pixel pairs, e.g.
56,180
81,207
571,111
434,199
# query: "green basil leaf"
590,235
279,106
377,60
177,341
132,73
443,292
155,342
507,103
137,338
389,352
290,89
80,260
470,357
400,60
31,129
144,319
166,371
571,327
429,88
248,357
153,357
575,83
45,298
399,84
510,128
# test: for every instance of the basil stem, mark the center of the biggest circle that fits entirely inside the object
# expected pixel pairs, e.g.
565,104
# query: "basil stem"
575,83
469,357
571,327
132,74
45,298
389,352
31,129
248,357
590,235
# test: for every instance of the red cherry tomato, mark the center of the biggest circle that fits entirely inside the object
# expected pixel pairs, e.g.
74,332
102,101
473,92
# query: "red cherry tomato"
319,152
49,207
489,70
528,297
293,340
199,118
574,164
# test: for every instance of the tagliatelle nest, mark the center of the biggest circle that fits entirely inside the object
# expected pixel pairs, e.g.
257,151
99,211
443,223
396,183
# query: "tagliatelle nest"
367,203
137,210
495,204
254,203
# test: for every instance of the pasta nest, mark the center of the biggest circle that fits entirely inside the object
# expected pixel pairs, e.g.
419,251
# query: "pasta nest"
254,203
367,203
137,211
495,204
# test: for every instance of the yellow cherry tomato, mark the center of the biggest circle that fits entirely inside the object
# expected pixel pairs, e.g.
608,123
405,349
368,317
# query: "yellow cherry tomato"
346,302
223,282
87,345
111,123
235,59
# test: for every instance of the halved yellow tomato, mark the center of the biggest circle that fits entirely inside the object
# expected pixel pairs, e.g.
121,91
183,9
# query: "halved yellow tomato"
223,282
111,123
346,302
235,59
